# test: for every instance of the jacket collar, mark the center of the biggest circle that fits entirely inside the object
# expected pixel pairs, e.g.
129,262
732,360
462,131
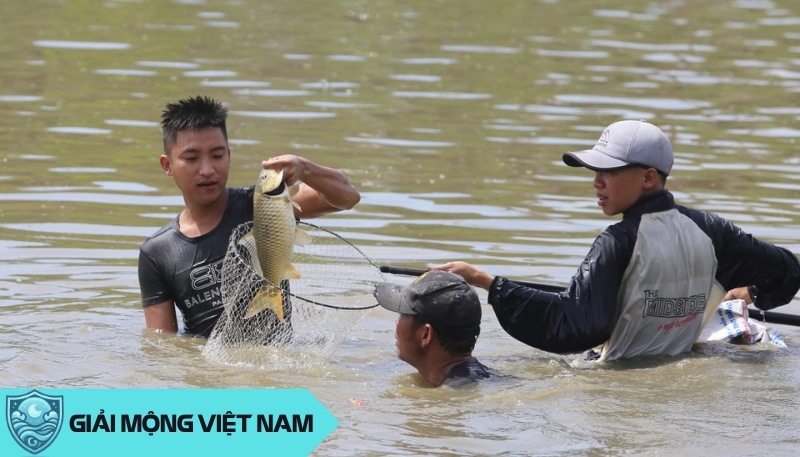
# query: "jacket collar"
661,200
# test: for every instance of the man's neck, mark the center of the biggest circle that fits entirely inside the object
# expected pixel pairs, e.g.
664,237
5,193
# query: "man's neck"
437,367
196,220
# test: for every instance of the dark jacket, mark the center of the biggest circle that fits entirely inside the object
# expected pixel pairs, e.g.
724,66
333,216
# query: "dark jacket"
585,314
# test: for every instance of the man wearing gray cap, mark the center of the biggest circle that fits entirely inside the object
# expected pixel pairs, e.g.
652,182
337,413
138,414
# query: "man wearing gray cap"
438,325
651,280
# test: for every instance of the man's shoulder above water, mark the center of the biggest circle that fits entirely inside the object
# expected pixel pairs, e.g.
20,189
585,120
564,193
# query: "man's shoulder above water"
466,372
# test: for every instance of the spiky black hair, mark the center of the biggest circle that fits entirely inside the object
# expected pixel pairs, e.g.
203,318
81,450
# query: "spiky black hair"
192,113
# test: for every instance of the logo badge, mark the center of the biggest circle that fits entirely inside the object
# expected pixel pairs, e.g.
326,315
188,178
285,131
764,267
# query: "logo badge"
603,141
34,419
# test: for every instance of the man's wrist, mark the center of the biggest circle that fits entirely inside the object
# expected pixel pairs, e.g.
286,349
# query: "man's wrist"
753,292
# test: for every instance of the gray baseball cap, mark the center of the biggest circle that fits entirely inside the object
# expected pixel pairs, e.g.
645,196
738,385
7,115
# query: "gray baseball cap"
626,143
442,298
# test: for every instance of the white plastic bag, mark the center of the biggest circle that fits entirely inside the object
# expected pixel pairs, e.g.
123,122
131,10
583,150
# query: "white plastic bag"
731,323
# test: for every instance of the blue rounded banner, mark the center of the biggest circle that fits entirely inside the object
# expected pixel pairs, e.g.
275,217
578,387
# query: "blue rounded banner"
122,422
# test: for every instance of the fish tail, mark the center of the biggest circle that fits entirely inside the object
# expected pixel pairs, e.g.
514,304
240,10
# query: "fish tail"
266,298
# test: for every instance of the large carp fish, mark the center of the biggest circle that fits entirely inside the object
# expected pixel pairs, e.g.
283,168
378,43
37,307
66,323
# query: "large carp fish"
271,241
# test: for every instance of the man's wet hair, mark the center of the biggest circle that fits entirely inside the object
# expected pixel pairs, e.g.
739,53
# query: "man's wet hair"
453,340
192,113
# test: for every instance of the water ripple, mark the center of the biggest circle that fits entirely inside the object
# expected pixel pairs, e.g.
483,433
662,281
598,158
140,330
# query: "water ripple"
665,104
284,114
642,46
166,64
20,98
83,229
131,123
92,45
233,83
89,197
210,74
441,95
401,142
79,130
274,92
428,61
417,78
572,54
480,49
125,72
777,132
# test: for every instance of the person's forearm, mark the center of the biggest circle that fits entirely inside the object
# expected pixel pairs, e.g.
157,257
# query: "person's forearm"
331,184
482,279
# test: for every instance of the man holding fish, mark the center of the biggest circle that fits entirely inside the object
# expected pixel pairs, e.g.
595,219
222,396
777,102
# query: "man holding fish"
651,280
180,265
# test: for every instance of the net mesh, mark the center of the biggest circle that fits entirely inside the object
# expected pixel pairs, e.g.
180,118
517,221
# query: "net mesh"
321,308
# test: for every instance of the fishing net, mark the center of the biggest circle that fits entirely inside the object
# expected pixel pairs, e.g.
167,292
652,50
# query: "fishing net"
321,308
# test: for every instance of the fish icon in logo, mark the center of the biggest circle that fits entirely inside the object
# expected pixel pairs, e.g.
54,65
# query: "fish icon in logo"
34,419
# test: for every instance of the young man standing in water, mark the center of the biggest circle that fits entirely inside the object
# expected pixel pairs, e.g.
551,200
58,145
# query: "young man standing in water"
648,280
180,265
438,326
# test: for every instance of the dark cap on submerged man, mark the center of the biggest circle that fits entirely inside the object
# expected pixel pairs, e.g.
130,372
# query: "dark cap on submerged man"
442,298
623,144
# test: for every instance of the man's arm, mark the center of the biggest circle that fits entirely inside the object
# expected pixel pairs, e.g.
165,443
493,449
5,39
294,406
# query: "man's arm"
161,316
322,189
572,321
744,260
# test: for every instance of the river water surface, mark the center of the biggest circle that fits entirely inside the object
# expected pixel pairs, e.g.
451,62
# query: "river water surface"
451,118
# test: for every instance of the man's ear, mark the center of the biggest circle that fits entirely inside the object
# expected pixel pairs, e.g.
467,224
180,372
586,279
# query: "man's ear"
651,178
425,335
166,165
